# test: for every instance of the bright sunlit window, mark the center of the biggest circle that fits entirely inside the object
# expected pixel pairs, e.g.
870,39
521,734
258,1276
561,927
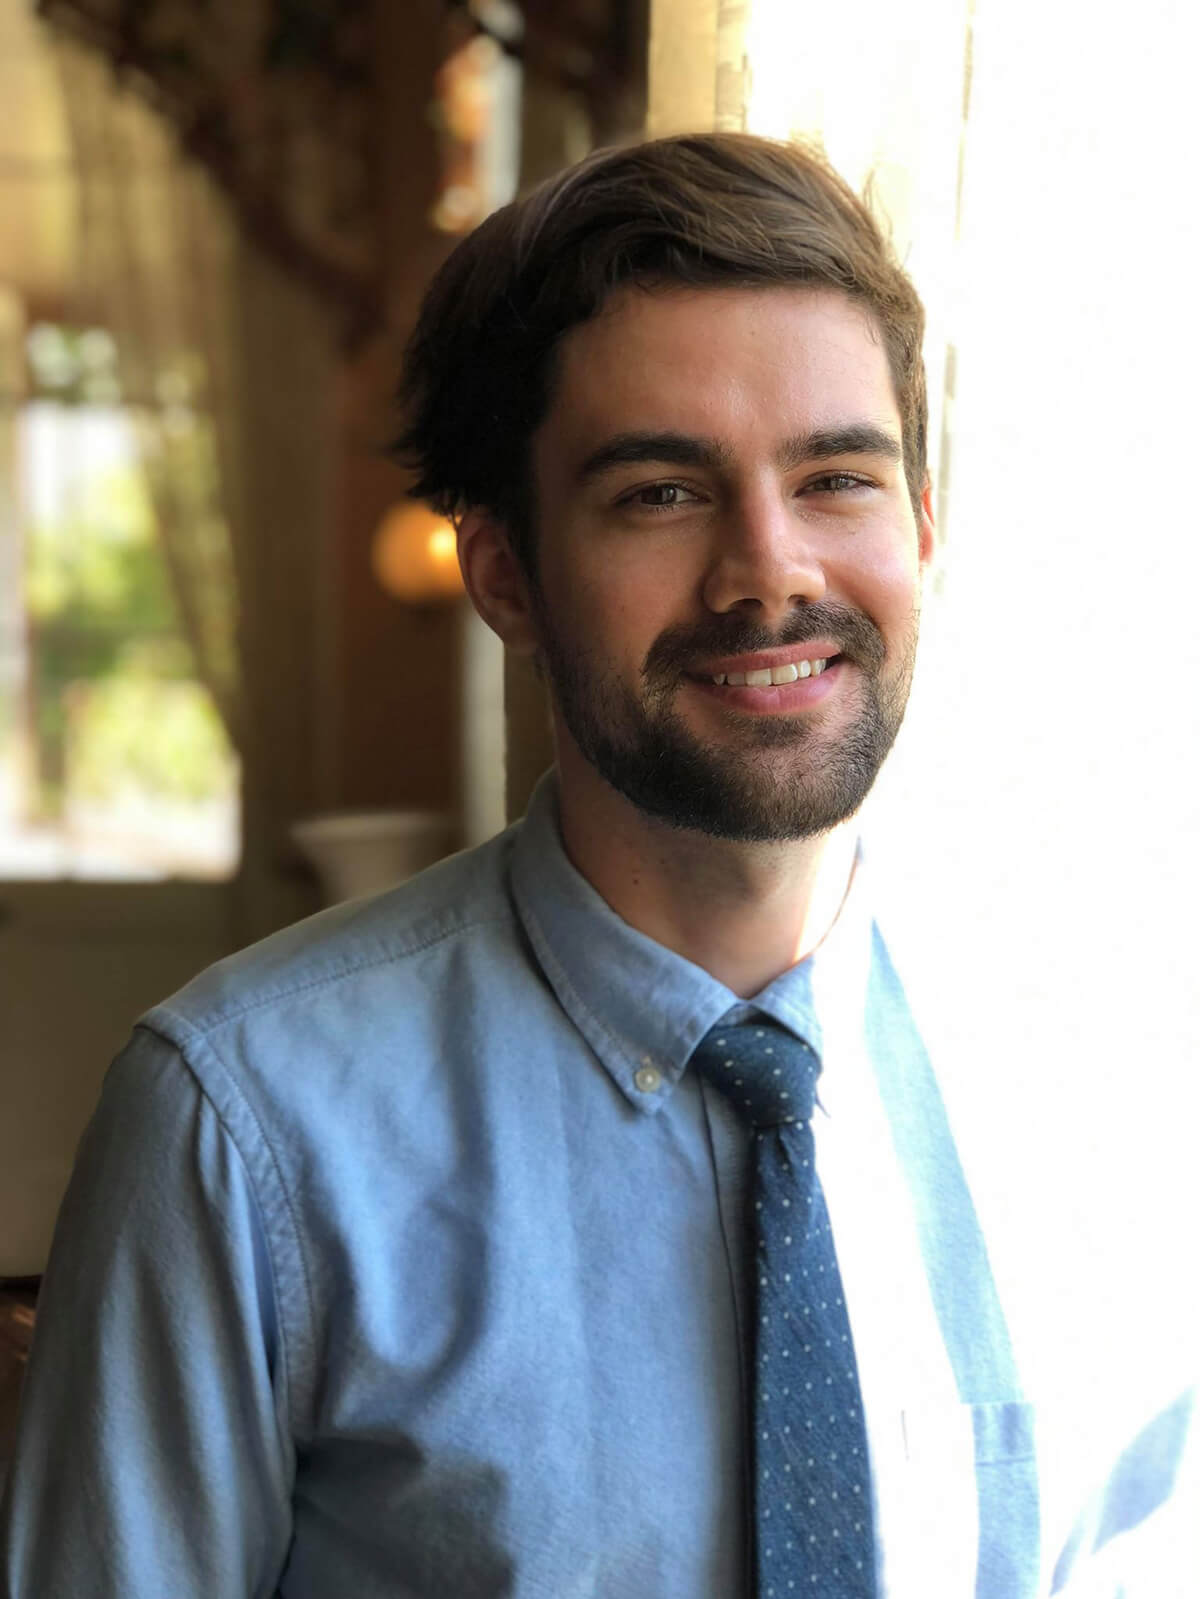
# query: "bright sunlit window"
1040,818
114,762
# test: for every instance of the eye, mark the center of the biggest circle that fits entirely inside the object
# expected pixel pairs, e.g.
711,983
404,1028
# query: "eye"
659,496
836,483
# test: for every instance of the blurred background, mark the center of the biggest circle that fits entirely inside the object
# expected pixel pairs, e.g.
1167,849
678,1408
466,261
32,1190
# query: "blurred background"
237,677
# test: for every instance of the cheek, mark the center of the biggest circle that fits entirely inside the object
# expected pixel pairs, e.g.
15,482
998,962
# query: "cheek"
886,579
621,605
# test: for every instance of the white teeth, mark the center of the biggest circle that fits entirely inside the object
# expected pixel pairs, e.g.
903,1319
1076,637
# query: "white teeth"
775,675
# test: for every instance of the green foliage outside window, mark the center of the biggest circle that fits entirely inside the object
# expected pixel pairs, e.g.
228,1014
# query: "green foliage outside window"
116,708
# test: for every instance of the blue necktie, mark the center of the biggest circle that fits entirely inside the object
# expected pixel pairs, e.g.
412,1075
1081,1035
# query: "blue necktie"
812,1489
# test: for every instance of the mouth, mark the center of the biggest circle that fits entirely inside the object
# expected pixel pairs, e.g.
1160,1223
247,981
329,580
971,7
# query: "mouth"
775,676
788,684
775,666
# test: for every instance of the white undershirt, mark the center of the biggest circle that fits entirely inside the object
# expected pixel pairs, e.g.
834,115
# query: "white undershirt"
920,1435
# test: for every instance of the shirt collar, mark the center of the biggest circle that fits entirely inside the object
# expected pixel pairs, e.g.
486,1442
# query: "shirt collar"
641,1007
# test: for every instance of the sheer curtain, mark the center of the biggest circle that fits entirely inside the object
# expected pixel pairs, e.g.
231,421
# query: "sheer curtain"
232,364
157,256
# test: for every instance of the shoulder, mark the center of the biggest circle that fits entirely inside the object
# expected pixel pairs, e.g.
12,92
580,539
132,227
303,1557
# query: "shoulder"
341,1010
390,938
329,1047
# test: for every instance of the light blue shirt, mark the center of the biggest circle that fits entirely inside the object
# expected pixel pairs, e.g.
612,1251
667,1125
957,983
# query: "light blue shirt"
403,1258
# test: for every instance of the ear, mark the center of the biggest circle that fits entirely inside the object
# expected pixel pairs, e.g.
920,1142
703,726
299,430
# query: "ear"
926,539
496,581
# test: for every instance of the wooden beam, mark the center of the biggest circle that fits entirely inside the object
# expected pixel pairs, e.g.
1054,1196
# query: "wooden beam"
682,94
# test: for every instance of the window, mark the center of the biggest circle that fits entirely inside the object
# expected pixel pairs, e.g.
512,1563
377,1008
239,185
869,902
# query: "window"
114,760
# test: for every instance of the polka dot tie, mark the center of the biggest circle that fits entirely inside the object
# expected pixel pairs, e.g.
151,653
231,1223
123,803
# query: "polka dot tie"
812,1493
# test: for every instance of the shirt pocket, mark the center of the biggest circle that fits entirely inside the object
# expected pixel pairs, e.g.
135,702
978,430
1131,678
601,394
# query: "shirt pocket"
984,1457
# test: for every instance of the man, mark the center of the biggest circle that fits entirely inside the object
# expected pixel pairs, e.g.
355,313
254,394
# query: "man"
441,1245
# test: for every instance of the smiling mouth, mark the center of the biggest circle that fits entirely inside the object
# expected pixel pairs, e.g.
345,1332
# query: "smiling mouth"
774,676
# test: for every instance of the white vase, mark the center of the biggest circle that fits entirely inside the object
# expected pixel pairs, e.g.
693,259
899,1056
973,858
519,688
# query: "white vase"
363,852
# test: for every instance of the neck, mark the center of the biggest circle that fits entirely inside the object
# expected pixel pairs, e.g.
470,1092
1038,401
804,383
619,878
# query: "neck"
742,912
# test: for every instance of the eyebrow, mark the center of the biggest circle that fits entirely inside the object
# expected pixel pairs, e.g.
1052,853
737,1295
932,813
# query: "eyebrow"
684,449
629,449
856,438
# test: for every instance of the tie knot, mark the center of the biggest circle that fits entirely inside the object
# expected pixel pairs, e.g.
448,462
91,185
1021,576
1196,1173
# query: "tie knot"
768,1075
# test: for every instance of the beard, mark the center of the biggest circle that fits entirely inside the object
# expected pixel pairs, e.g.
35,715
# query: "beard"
780,778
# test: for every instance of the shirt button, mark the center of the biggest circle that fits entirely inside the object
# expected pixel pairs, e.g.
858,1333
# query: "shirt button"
648,1079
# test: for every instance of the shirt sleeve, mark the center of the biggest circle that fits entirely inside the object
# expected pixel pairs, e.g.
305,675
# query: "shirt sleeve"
153,1455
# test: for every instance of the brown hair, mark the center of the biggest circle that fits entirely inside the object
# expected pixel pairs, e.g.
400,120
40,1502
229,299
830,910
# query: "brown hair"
697,210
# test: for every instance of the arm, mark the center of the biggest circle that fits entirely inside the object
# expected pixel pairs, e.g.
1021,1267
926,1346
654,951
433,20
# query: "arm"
153,1456
1139,1534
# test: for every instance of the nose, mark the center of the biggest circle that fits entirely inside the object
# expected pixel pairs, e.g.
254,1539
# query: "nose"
765,560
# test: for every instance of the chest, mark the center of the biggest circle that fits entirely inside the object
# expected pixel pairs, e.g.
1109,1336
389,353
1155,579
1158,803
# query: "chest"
530,1371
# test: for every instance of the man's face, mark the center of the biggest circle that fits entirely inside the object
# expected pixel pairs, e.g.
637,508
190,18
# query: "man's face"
719,494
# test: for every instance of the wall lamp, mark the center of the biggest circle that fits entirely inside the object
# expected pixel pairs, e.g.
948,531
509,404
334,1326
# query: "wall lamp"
414,556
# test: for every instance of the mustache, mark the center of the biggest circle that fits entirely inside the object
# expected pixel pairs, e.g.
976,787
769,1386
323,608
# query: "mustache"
679,649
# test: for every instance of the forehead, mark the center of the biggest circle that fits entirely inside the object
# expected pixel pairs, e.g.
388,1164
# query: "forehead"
746,366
